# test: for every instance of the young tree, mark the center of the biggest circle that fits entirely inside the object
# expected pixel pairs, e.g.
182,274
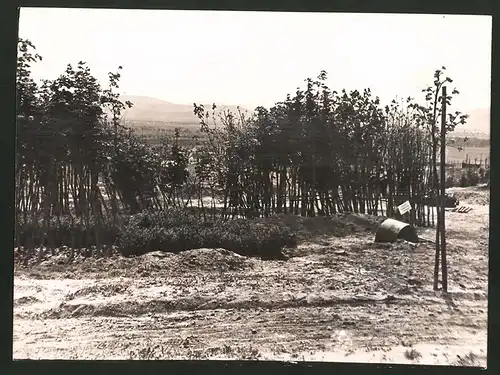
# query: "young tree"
431,113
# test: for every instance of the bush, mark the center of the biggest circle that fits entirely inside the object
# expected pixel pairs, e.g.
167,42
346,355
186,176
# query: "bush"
485,175
172,230
469,177
450,182
174,233
66,232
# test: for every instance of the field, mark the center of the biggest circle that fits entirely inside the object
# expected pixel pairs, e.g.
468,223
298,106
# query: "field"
153,133
338,297
472,153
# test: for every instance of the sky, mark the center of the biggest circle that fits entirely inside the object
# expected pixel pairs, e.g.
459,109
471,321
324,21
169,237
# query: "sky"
256,58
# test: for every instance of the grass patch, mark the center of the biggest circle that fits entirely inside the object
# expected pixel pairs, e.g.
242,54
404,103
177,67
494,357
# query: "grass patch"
412,354
468,360
185,351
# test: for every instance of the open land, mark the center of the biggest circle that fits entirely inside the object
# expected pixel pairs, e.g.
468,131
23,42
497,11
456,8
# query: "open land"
474,154
338,297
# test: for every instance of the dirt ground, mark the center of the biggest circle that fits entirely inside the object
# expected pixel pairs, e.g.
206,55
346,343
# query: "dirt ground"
337,298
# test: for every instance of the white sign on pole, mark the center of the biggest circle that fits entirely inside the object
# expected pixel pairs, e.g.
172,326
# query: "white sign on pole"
404,208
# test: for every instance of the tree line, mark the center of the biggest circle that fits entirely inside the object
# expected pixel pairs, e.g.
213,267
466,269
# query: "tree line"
318,152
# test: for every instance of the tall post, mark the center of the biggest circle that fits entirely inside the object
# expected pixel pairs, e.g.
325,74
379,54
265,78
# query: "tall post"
435,190
444,270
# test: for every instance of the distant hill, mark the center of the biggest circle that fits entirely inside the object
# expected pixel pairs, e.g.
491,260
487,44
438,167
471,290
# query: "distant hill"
154,112
477,126
151,110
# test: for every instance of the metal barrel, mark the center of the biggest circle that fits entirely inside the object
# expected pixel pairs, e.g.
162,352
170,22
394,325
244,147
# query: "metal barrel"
390,230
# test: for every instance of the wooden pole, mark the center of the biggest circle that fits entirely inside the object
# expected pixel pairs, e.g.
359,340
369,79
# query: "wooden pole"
444,270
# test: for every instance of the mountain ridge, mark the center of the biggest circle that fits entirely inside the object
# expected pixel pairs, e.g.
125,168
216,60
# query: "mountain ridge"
150,109
154,110
477,125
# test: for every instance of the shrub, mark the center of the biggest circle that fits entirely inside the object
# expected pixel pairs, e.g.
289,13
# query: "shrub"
473,177
450,182
66,232
412,354
469,177
172,230
179,233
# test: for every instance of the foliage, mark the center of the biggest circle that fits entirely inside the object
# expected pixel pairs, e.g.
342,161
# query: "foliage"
468,177
318,152
176,230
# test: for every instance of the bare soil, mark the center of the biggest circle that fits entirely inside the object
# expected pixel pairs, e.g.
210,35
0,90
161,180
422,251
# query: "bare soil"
336,298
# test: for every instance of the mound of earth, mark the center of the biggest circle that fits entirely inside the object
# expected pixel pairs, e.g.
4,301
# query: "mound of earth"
339,225
364,222
103,290
76,263
26,300
205,259
476,195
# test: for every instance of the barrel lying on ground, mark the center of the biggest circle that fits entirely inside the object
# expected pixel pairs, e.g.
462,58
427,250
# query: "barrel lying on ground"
391,230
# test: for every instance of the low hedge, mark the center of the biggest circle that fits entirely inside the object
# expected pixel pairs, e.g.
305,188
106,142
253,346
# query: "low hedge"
173,230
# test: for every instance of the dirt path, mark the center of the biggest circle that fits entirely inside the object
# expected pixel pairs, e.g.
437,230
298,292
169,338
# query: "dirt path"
335,299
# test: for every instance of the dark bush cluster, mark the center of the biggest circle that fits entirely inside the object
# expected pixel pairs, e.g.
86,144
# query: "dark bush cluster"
172,230
176,231
468,177
65,231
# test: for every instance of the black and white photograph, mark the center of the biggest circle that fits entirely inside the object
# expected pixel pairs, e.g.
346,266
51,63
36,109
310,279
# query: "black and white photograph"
243,185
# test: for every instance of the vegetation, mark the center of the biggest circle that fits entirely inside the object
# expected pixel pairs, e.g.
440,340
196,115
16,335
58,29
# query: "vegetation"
468,177
468,360
189,135
412,354
83,179
471,142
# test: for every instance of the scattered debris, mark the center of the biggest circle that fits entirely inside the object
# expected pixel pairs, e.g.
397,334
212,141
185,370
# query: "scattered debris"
414,282
430,199
389,298
412,244
462,209
426,240
348,323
